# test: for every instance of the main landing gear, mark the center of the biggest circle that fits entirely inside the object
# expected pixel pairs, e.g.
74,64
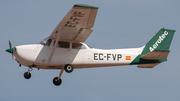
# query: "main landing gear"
57,80
68,68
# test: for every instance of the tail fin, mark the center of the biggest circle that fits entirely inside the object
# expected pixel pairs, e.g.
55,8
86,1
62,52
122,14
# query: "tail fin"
156,50
160,42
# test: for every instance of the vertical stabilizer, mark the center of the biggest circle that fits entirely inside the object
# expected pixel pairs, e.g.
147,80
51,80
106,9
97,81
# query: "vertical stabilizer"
161,41
156,50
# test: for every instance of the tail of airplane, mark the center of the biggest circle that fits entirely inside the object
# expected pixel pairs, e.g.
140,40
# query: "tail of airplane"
156,50
161,41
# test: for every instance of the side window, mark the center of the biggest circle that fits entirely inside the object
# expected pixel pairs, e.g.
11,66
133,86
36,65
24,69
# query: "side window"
63,44
78,46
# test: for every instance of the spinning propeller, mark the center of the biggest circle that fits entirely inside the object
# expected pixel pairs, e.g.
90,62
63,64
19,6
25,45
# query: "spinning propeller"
10,50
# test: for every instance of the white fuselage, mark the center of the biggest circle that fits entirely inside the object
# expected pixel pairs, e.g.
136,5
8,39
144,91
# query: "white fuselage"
37,55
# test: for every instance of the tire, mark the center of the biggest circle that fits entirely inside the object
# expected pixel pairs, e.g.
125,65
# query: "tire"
56,81
27,75
68,68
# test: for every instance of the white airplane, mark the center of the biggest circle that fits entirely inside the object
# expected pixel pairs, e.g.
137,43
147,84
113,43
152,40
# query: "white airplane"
65,48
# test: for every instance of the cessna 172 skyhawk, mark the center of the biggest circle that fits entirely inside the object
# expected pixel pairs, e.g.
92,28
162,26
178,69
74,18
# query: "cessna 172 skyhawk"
65,48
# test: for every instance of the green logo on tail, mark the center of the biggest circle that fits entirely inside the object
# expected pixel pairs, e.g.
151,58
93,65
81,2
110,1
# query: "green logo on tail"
161,38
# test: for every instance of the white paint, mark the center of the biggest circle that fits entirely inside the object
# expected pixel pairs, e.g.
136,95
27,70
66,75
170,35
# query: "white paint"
37,55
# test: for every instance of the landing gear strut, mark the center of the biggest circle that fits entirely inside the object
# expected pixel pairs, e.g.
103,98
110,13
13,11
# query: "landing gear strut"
27,75
57,80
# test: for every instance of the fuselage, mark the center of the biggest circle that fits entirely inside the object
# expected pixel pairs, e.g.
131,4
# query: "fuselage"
79,55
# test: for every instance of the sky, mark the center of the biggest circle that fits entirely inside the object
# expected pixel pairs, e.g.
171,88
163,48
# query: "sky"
119,24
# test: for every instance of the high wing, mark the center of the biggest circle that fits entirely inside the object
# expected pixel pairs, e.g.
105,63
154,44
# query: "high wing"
76,25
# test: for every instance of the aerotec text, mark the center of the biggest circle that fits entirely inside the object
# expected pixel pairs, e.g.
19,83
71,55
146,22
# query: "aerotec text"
161,38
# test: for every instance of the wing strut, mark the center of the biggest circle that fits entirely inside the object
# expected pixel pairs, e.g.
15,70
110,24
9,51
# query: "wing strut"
57,39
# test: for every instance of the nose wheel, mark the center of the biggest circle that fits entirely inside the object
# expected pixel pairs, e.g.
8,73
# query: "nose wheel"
27,75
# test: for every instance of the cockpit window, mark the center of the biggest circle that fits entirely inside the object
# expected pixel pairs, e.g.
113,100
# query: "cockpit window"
63,44
78,46
46,42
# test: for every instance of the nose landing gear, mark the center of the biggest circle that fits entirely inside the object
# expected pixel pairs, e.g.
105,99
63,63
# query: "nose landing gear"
27,75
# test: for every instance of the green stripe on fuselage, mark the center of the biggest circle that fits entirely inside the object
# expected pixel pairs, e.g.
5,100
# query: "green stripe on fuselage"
139,60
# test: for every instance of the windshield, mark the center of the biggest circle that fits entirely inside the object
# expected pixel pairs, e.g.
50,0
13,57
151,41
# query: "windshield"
46,41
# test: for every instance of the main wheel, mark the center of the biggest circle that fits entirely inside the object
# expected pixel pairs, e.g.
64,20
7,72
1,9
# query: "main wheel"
27,75
56,81
68,68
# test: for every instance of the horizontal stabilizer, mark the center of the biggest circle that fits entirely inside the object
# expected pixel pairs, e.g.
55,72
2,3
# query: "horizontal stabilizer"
147,65
155,55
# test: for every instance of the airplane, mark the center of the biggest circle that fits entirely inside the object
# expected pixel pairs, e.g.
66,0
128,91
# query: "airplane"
65,49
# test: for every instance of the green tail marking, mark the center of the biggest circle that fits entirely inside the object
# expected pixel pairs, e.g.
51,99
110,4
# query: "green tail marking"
161,41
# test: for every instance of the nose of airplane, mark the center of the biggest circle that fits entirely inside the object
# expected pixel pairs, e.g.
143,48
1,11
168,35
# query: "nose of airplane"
10,50
25,54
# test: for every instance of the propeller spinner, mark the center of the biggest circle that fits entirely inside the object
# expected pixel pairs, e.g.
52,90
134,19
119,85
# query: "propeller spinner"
10,50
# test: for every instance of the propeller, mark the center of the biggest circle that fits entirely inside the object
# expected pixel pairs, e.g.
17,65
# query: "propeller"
10,45
10,50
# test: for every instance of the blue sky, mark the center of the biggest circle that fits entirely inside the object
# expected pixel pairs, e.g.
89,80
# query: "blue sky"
119,24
